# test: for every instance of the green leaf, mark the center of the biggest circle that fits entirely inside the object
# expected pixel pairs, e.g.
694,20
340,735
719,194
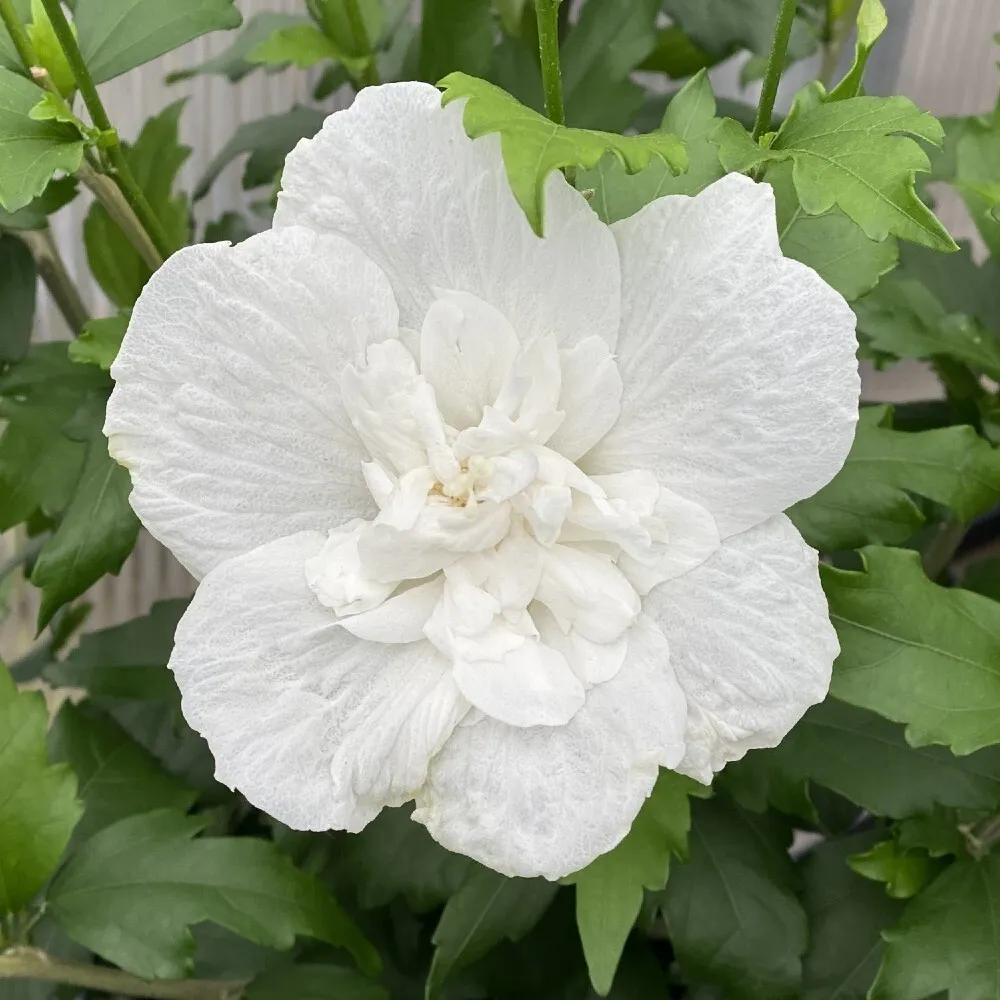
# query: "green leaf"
36,214
690,115
393,856
937,832
39,464
903,872
677,55
847,916
268,141
338,23
872,22
831,244
609,891
118,35
30,151
132,892
17,298
856,154
301,45
533,146
100,341
732,912
156,158
867,501
118,778
866,758
313,982
97,531
488,908
977,176
946,940
233,62
607,42
455,35
48,52
9,59
916,653
126,661
40,807
230,227
903,318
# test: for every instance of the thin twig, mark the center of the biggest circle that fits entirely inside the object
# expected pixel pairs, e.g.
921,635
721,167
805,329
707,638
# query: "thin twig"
53,272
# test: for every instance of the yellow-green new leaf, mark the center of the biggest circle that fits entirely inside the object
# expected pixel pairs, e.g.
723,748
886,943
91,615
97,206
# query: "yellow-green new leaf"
40,807
872,22
533,147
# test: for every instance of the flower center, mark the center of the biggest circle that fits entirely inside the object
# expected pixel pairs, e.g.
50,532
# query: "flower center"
490,541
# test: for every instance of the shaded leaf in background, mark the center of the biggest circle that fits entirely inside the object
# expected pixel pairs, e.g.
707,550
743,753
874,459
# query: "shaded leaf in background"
916,653
118,35
867,502
17,298
606,43
230,227
847,915
156,158
831,145
732,911
100,341
118,778
232,62
866,758
98,528
609,891
677,55
903,318
40,807
946,939
314,982
977,176
301,45
487,909
455,35
30,151
690,115
132,892
831,244
39,464
125,661
937,832
533,146
9,58
268,141
393,856
59,193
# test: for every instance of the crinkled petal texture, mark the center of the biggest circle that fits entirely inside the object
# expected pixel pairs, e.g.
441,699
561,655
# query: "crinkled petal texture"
397,176
315,726
751,643
547,801
741,381
226,407
486,521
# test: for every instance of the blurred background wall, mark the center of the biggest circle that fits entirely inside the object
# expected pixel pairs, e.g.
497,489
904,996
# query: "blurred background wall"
941,53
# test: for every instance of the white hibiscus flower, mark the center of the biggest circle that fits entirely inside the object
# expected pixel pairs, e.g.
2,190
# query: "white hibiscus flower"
483,520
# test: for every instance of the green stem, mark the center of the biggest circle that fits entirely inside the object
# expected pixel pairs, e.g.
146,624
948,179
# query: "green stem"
17,34
32,963
357,22
836,35
53,272
95,106
775,67
942,548
547,13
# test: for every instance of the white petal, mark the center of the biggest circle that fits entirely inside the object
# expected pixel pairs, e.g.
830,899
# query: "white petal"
226,408
592,662
687,536
397,175
590,397
548,800
466,349
312,725
337,577
741,382
531,685
400,618
750,641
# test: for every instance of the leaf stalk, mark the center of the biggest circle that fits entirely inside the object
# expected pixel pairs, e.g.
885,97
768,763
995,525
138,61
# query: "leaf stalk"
95,106
775,67
53,272
18,35
33,963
